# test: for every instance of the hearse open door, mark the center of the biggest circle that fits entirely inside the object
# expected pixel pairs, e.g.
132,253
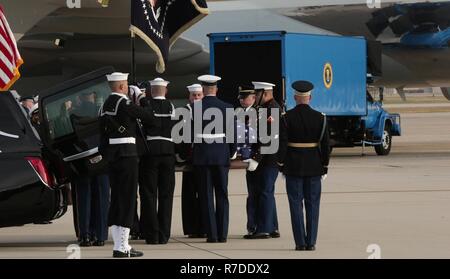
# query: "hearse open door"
70,126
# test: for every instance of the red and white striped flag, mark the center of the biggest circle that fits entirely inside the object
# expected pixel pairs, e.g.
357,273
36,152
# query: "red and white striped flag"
10,59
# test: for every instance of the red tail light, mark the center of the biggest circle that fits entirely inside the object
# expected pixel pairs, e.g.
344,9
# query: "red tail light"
42,171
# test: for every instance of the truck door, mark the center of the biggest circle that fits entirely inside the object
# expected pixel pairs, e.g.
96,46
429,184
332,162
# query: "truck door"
70,126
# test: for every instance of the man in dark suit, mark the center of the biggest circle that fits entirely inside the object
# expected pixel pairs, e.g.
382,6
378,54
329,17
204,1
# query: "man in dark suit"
211,158
304,154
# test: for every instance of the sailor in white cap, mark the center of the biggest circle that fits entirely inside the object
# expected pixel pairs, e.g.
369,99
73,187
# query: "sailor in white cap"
118,121
211,160
193,224
158,166
266,172
34,117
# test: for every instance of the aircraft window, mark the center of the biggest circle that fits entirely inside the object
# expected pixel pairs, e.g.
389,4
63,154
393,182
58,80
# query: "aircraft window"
76,104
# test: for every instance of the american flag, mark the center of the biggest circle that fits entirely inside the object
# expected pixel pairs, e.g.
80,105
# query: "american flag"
10,59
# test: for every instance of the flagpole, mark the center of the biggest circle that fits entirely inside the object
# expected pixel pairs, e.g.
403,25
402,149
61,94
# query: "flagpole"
133,59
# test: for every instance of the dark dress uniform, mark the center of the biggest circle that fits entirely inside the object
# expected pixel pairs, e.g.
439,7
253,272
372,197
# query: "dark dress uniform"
265,177
304,150
245,152
92,193
159,172
211,161
191,213
119,132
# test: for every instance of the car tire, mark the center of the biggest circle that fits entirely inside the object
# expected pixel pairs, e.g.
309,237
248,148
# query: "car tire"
386,142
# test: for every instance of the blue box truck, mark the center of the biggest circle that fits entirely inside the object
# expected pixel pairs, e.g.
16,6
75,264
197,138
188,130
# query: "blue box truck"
341,69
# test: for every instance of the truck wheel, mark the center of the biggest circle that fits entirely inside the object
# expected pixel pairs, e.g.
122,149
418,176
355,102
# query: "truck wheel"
386,142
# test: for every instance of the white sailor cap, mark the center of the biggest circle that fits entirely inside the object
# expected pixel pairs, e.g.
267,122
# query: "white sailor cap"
209,80
117,76
34,109
159,82
195,88
263,85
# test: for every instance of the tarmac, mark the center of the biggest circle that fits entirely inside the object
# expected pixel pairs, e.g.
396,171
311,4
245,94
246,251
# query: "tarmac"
396,206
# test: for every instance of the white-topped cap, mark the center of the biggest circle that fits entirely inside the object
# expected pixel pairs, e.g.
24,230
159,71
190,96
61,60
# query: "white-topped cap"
159,82
195,88
117,76
209,80
263,85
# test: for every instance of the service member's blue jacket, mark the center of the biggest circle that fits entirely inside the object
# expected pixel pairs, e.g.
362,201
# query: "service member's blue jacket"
212,154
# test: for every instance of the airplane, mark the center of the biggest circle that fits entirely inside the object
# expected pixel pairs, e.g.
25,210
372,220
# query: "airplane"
59,43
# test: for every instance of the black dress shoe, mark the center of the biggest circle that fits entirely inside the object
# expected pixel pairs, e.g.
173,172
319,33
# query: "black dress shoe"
98,243
152,241
300,248
163,242
211,240
129,254
310,248
275,234
259,236
222,240
85,242
197,235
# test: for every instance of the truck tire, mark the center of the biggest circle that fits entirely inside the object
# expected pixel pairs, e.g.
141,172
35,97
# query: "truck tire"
385,148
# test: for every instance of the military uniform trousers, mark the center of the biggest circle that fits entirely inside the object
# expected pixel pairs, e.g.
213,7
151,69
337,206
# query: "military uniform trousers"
267,220
213,181
92,194
190,205
157,197
304,191
252,179
123,176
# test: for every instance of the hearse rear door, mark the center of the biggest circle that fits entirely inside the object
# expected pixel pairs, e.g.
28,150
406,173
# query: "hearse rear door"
70,125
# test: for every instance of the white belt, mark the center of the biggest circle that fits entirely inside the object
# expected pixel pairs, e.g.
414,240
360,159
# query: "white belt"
164,115
122,141
159,138
210,136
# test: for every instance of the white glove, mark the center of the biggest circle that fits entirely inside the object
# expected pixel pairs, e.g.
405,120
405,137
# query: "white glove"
234,157
252,164
324,177
178,158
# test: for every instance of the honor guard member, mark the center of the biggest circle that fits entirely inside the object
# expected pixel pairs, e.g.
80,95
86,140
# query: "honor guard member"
267,168
92,192
159,166
193,226
118,124
211,161
304,153
136,94
247,100
27,103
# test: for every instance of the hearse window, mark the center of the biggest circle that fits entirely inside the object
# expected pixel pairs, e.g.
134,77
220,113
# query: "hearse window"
75,104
